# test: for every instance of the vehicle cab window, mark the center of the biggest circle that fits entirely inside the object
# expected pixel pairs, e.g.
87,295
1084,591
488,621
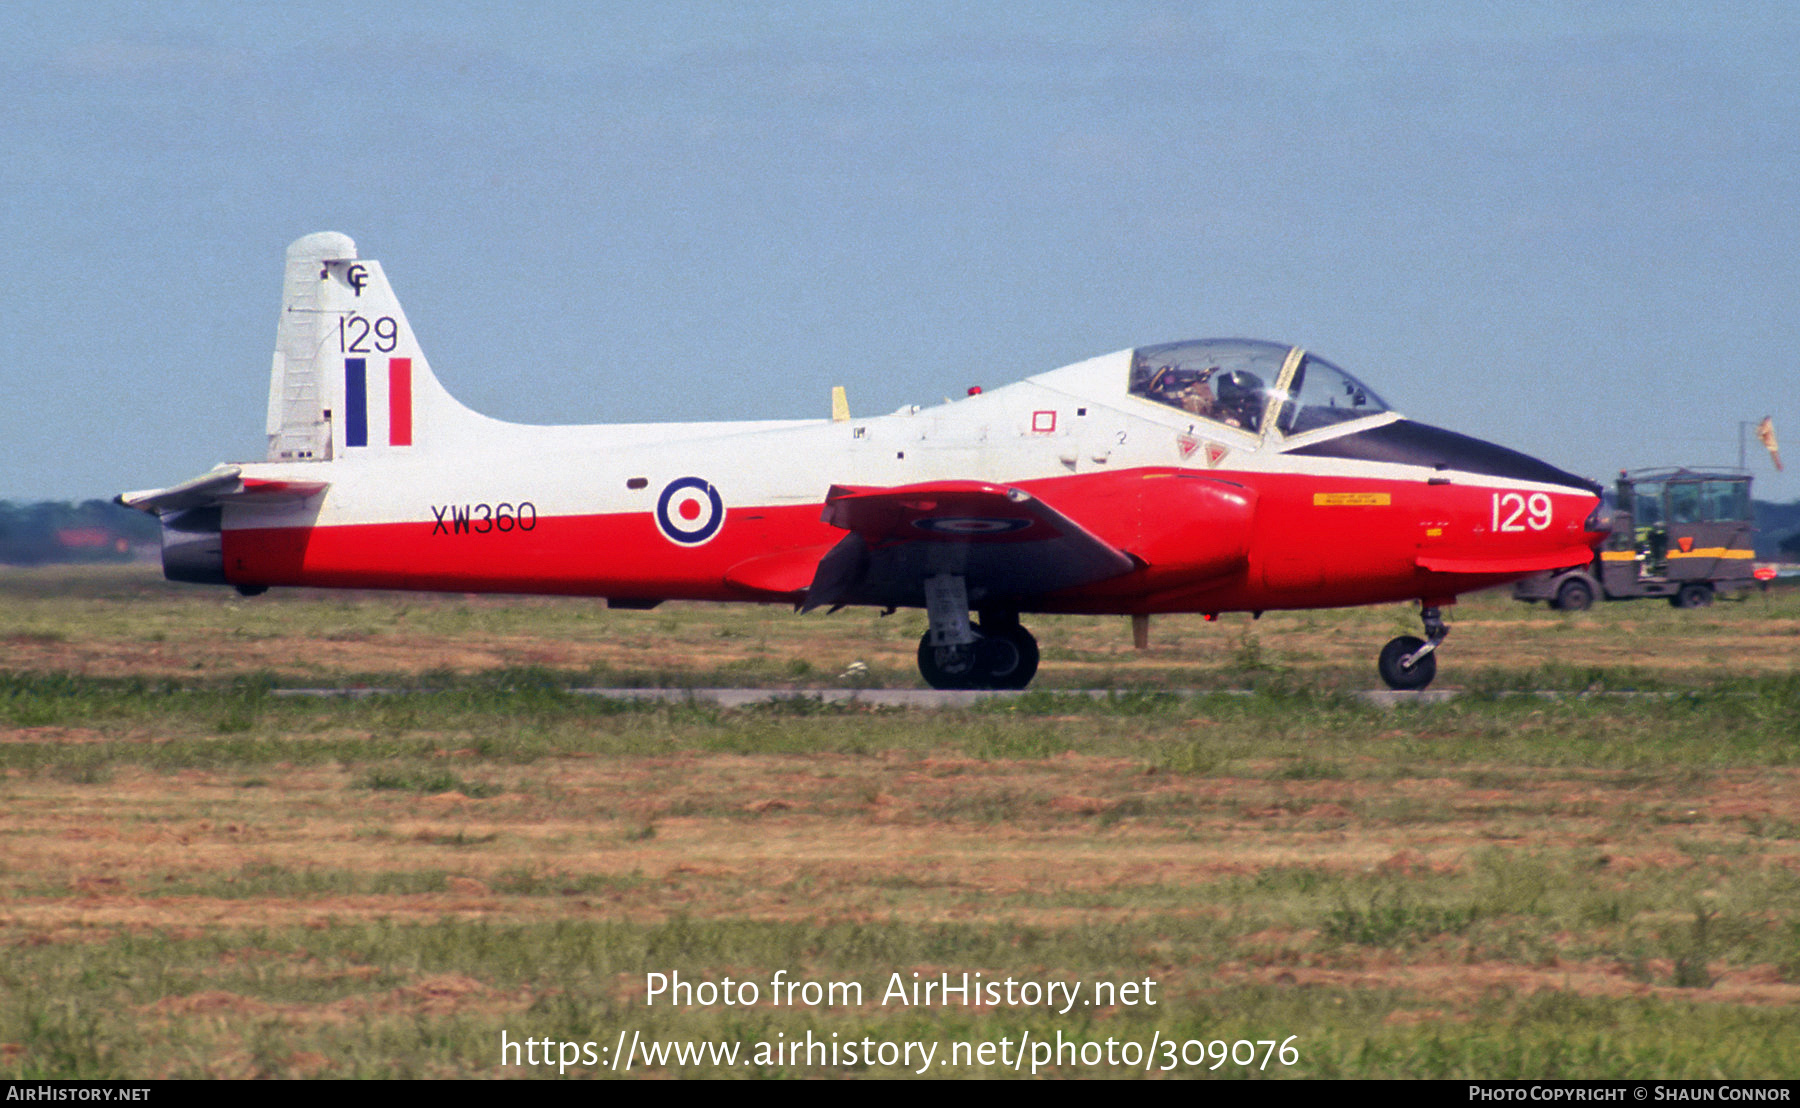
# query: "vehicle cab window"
1647,509
1684,502
1727,501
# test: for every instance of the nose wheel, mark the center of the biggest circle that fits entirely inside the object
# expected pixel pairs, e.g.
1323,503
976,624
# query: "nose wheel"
1004,657
1408,662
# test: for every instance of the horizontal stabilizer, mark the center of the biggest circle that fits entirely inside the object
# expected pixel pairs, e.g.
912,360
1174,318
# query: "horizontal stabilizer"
225,485
1004,541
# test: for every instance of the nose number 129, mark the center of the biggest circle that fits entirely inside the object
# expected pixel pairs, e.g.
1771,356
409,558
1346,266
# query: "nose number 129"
1514,511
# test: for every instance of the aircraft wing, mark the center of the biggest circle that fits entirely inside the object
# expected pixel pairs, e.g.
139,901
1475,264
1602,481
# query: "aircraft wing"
1004,541
227,484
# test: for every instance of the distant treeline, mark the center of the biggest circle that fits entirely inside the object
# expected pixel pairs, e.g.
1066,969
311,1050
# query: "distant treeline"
101,531
92,531
1778,531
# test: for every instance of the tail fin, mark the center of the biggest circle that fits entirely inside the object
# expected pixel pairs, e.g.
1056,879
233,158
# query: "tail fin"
348,374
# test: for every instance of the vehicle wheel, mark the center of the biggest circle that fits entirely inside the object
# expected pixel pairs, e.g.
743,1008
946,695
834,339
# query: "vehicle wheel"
1007,659
947,667
1402,677
1574,595
1693,596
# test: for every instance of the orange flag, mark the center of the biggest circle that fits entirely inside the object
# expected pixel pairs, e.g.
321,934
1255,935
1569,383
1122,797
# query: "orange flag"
1765,432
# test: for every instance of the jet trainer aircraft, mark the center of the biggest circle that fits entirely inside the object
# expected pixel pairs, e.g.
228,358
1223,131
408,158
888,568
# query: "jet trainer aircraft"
1205,476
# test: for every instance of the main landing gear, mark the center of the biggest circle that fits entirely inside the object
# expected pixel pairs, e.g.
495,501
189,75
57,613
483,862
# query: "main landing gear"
1409,663
998,659
956,653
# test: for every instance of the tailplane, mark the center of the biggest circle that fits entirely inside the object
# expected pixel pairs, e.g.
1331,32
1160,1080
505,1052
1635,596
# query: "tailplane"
348,375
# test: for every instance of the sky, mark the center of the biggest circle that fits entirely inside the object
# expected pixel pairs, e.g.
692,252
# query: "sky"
1570,228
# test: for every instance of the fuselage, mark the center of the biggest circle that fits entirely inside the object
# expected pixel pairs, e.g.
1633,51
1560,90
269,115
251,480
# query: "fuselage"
1218,517
1202,476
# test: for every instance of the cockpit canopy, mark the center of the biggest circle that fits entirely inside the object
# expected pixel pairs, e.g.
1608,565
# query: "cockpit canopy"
1246,384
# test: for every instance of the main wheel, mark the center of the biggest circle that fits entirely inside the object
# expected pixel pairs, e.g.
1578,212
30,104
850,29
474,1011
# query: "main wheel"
1401,676
1006,659
947,667
1693,596
1574,595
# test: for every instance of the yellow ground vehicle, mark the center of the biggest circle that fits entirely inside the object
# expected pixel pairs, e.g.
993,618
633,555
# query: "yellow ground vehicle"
1686,535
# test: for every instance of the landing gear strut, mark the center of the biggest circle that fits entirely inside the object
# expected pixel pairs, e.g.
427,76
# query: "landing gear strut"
956,653
1409,663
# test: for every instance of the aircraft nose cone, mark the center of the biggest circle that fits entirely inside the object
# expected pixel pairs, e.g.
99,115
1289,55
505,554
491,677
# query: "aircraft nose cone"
1407,443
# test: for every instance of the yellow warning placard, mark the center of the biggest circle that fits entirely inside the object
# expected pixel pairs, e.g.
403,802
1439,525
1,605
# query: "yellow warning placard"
1350,500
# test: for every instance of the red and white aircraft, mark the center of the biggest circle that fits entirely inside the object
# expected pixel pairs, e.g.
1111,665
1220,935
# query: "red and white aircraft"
1208,476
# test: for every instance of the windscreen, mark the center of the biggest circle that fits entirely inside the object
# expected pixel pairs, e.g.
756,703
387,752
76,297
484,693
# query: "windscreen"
1322,395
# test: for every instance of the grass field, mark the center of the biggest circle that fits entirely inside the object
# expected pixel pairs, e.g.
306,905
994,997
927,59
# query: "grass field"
199,877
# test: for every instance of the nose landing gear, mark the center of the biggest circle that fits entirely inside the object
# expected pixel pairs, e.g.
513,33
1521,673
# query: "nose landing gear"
1408,663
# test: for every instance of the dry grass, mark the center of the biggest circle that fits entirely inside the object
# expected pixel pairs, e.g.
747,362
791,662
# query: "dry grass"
125,621
212,882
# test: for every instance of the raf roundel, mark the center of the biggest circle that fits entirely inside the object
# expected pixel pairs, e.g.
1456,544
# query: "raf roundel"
689,511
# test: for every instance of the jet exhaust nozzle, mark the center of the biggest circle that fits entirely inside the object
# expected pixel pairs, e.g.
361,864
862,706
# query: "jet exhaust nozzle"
192,548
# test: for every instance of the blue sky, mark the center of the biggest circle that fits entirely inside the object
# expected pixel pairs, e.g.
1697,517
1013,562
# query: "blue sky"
1570,228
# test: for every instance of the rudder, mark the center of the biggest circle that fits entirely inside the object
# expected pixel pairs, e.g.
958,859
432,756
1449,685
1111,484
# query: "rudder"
348,374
